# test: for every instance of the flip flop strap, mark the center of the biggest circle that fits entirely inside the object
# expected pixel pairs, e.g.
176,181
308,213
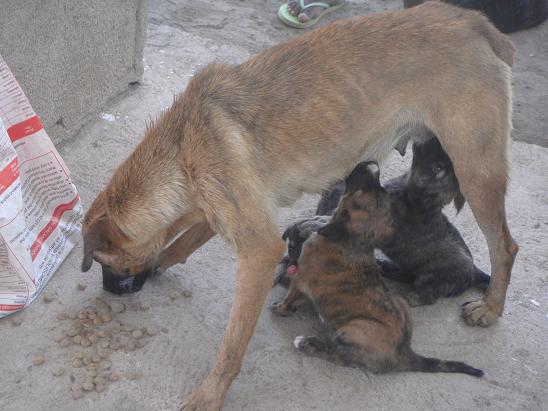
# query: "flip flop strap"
314,4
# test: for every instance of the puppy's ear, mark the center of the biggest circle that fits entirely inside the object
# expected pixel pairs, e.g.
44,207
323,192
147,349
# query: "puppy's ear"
362,176
401,147
459,201
336,231
286,233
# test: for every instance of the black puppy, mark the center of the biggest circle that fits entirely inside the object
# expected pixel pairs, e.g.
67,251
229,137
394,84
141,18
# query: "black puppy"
426,248
295,235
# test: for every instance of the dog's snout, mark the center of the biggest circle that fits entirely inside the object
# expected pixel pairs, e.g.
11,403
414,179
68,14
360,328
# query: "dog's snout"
119,284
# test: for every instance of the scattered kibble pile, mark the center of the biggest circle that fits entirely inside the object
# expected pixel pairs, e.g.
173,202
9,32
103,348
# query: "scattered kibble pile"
93,335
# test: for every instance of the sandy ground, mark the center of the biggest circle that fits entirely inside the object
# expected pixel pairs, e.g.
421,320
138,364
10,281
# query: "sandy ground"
183,36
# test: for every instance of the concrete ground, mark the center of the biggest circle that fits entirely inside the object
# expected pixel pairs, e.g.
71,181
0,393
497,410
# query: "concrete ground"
182,37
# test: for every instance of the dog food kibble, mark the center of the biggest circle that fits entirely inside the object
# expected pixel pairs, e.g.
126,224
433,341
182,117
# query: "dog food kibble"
98,332
57,372
77,363
187,293
72,332
38,359
77,393
16,322
117,307
91,366
81,286
100,380
113,377
173,294
99,387
104,343
48,297
106,318
105,365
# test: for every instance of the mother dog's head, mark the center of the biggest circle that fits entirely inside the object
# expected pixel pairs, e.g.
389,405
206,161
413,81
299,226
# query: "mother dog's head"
144,206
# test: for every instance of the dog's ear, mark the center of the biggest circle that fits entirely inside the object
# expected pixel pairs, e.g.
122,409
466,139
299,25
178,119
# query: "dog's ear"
93,239
459,201
336,231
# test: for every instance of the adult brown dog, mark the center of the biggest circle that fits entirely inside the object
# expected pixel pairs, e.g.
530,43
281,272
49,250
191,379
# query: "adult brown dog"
243,140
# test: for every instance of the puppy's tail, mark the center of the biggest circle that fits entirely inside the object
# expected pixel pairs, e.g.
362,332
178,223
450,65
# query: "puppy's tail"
417,362
481,279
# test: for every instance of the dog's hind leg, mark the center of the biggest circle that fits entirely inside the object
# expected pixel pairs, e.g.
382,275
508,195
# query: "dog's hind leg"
475,134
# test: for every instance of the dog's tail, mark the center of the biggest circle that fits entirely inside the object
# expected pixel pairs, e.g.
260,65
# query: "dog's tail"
417,362
481,279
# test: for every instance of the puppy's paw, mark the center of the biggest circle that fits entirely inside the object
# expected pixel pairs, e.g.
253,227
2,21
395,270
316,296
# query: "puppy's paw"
281,309
298,340
309,345
413,299
479,313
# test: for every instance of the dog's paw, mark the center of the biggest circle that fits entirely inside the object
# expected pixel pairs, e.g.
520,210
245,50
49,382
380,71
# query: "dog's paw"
479,313
284,310
202,399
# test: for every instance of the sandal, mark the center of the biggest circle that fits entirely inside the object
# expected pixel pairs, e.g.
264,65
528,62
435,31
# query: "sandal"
284,13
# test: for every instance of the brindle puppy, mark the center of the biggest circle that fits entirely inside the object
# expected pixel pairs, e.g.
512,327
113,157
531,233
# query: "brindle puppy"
426,249
338,272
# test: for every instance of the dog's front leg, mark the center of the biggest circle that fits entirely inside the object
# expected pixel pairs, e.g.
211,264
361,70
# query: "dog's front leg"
253,281
185,245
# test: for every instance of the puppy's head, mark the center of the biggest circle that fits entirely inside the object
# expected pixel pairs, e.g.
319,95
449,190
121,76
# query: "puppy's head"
296,234
363,216
432,175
